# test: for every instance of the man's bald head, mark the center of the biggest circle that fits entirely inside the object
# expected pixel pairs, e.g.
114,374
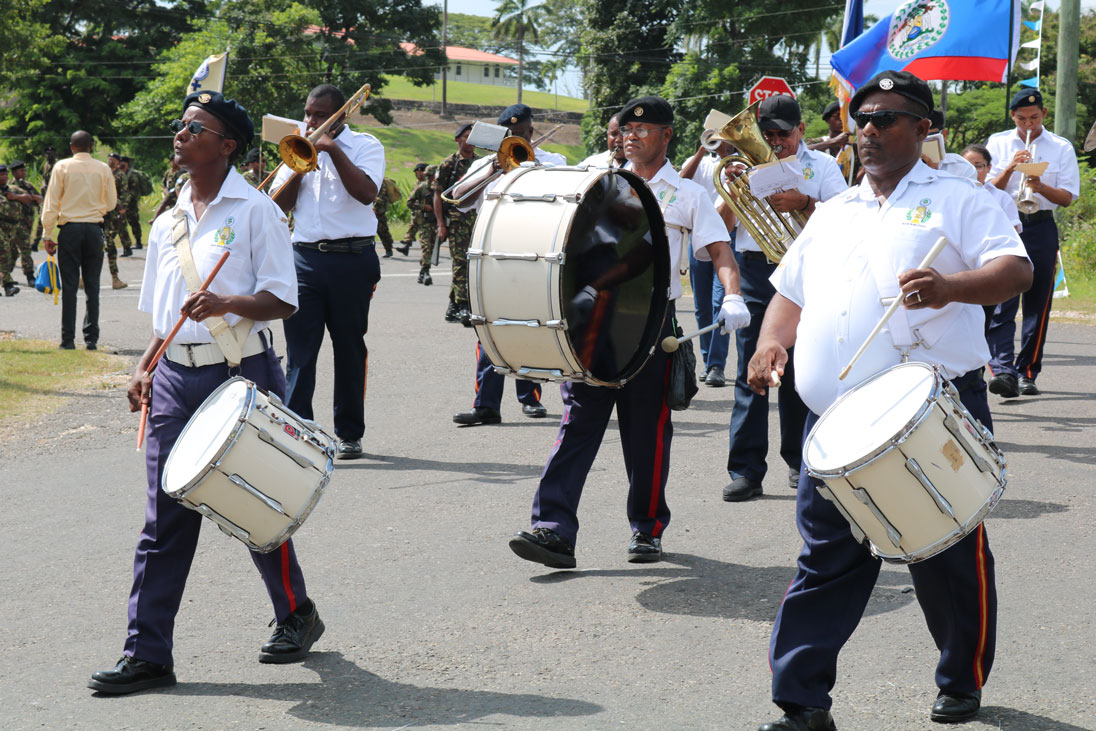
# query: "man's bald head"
80,141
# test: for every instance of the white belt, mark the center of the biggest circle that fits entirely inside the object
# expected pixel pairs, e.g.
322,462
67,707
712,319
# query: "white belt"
203,354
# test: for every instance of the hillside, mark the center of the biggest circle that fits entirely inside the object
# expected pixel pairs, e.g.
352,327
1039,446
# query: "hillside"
463,92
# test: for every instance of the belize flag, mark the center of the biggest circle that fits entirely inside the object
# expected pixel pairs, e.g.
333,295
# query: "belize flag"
953,40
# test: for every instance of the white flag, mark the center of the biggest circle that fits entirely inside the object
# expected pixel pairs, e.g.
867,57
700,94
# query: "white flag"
210,76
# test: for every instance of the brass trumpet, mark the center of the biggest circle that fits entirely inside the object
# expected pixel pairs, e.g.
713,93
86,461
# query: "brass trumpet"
773,231
1025,196
299,154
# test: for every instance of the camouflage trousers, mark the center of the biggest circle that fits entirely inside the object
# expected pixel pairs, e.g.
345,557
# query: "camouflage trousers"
413,229
427,231
7,260
383,234
20,248
460,236
133,218
114,224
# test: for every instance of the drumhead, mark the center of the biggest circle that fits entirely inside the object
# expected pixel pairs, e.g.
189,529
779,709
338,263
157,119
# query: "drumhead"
206,434
866,419
618,234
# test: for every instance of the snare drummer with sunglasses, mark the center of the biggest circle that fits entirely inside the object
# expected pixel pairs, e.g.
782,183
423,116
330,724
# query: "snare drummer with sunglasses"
217,211
781,124
860,249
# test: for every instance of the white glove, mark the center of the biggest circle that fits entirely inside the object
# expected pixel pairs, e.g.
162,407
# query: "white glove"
733,314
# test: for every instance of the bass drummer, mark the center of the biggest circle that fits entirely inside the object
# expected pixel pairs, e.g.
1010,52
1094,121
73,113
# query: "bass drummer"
646,124
217,211
858,247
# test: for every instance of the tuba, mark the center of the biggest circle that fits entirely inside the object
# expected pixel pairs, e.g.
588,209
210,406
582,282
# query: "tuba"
773,231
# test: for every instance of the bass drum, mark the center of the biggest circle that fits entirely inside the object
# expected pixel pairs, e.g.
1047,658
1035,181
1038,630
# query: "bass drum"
543,235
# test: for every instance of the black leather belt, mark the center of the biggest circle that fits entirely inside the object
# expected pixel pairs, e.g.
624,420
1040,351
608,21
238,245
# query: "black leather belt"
754,256
352,245
1036,217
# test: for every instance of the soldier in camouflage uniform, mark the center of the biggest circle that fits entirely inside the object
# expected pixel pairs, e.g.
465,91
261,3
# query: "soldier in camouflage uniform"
26,227
455,225
133,201
380,209
114,224
252,169
416,223
170,185
10,213
47,170
421,203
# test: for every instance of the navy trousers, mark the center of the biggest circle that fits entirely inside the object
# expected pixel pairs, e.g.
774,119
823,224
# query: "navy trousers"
489,385
1041,241
334,291
834,581
166,547
749,431
708,299
645,435
80,253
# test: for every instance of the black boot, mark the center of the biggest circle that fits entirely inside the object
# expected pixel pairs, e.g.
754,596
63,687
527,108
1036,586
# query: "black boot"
422,274
452,314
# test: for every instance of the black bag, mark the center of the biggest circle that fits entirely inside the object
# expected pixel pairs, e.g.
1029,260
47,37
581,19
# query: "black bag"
682,386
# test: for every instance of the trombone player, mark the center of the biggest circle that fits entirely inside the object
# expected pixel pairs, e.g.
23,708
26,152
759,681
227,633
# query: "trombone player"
337,265
1060,185
782,127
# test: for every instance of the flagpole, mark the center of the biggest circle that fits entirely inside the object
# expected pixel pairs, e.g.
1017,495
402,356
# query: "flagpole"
1008,69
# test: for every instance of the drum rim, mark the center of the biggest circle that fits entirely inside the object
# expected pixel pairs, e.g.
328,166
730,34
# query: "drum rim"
233,437
898,438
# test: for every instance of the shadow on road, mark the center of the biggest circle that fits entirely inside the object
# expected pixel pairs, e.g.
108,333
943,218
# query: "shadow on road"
347,695
701,587
1025,509
1081,455
492,472
1007,718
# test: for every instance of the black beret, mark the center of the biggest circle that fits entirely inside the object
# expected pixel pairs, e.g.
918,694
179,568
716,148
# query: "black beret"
49,148
1026,98
238,124
779,111
13,166
462,129
897,82
515,114
115,155
831,108
647,109
937,119
420,166
3,168
252,156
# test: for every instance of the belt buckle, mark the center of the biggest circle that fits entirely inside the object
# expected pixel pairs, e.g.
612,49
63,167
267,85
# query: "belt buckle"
321,246
190,355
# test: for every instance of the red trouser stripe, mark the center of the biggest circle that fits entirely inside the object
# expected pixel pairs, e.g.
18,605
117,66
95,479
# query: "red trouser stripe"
478,346
660,446
983,608
1041,333
285,577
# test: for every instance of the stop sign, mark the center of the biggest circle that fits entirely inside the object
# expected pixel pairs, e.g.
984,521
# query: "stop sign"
768,86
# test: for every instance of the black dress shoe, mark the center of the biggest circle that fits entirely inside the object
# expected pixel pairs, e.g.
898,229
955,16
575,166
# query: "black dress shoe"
138,246
802,719
793,478
703,377
293,638
349,449
716,378
740,489
544,546
130,676
387,254
91,346
956,707
67,346
644,549
405,248
478,415
1028,387
534,411
1004,384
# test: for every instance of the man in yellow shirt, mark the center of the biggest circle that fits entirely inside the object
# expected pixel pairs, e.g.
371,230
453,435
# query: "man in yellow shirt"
81,192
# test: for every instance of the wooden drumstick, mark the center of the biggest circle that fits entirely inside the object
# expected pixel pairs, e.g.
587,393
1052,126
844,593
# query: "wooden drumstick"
670,343
929,258
167,341
774,379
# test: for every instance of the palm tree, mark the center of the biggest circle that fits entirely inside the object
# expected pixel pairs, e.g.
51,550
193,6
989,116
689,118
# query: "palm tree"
513,21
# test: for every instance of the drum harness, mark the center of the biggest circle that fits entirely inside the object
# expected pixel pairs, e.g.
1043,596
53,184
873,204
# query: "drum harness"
230,339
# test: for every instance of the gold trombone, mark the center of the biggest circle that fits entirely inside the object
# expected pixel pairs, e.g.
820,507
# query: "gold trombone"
512,152
773,231
299,154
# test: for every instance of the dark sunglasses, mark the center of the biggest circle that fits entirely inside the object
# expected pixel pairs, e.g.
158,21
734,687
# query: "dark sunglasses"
194,128
881,119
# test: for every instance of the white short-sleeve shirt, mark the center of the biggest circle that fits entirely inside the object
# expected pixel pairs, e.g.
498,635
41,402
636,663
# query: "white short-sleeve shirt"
324,210
828,272
241,220
822,180
958,165
705,176
1007,203
600,160
1062,172
685,205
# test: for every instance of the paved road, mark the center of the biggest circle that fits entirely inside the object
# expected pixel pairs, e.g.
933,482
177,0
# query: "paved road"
433,623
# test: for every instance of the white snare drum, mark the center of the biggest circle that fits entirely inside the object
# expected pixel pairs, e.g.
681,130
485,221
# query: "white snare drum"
906,464
545,233
250,465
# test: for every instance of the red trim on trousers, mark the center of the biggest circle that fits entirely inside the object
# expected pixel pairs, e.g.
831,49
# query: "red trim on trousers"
1041,334
660,446
983,608
286,584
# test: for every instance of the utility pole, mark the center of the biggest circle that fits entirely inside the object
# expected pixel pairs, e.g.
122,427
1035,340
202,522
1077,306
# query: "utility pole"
444,51
1065,99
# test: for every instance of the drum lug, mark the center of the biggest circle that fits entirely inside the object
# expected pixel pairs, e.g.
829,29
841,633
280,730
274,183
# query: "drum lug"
556,324
539,374
502,370
893,533
255,492
477,320
264,436
227,527
857,533
952,424
555,257
503,322
919,474
474,253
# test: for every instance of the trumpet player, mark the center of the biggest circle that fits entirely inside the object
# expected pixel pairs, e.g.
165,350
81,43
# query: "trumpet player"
782,126
614,143
1014,374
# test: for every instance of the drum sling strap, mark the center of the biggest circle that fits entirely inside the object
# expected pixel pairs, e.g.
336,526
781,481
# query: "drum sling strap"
686,234
902,335
229,338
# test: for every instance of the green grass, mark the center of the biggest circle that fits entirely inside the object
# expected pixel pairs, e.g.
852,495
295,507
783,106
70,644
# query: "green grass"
463,92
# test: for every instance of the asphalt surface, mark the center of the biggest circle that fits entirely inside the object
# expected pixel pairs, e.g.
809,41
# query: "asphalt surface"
433,623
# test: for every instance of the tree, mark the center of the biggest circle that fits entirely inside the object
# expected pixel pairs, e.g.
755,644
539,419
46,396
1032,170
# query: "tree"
514,20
